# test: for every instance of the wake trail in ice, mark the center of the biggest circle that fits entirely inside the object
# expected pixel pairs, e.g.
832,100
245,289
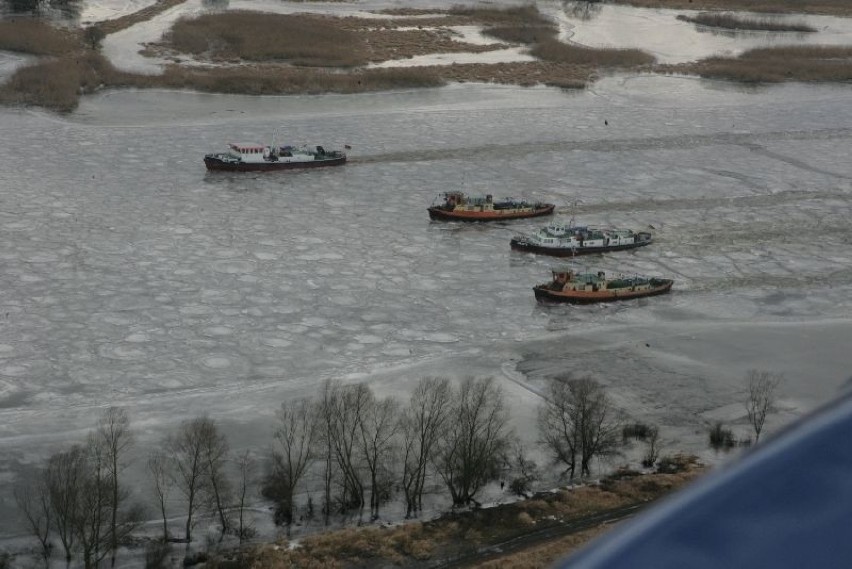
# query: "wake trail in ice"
509,370
672,204
679,142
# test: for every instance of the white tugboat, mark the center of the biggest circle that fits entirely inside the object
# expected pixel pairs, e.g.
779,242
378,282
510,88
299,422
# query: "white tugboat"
566,240
251,157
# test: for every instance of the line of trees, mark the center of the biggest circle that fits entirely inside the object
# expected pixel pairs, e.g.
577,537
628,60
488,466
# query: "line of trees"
365,447
358,451
72,7
78,498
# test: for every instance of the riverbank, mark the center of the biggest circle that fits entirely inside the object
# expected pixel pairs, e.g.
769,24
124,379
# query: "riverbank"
479,538
234,52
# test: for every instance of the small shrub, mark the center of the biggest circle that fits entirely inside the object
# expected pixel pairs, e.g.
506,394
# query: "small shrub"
525,520
721,438
520,486
94,35
192,560
157,555
650,486
623,473
675,464
637,431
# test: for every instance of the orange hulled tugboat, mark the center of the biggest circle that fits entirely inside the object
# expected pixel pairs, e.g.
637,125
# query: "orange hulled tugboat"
455,206
588,288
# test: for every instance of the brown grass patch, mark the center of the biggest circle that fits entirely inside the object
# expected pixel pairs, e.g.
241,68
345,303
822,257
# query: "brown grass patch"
384,45
311,41
277,80
733,22
253,36
545,555
556,51
775,65
517,15
829,7
522,34
27,35
525,74
461,534
57,84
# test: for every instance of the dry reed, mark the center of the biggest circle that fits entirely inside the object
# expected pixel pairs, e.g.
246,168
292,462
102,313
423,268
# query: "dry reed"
556,51
28,35
56,84
272,80
774,65
733,22
522,34
303,40
527,14
830,7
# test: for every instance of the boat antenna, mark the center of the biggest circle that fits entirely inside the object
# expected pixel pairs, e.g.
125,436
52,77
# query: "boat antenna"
573,214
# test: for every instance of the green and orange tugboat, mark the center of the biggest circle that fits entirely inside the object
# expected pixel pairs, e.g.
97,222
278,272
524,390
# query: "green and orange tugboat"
455,206
588,288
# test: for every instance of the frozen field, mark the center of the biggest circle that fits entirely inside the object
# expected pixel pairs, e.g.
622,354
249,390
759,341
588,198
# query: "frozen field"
131,276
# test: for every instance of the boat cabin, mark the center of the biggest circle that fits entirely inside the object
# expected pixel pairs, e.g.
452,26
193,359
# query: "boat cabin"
578,237
567,279
248,152
258,153
457,201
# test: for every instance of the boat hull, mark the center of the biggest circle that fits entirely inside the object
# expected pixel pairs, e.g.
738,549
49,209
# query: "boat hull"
219,165
440,214
520,245
545,295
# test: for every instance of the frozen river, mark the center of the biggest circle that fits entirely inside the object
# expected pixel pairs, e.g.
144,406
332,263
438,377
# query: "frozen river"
131,276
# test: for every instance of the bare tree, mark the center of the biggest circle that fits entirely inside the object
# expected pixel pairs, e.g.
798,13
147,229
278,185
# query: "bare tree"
293,449
245,467
652,450
421,426
377,429
472,448
345,409
214,447
326,448
115,436
578,423
63,479
599,426
33,500
525,469
91,522
761,387
158,468
556,428
188,467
